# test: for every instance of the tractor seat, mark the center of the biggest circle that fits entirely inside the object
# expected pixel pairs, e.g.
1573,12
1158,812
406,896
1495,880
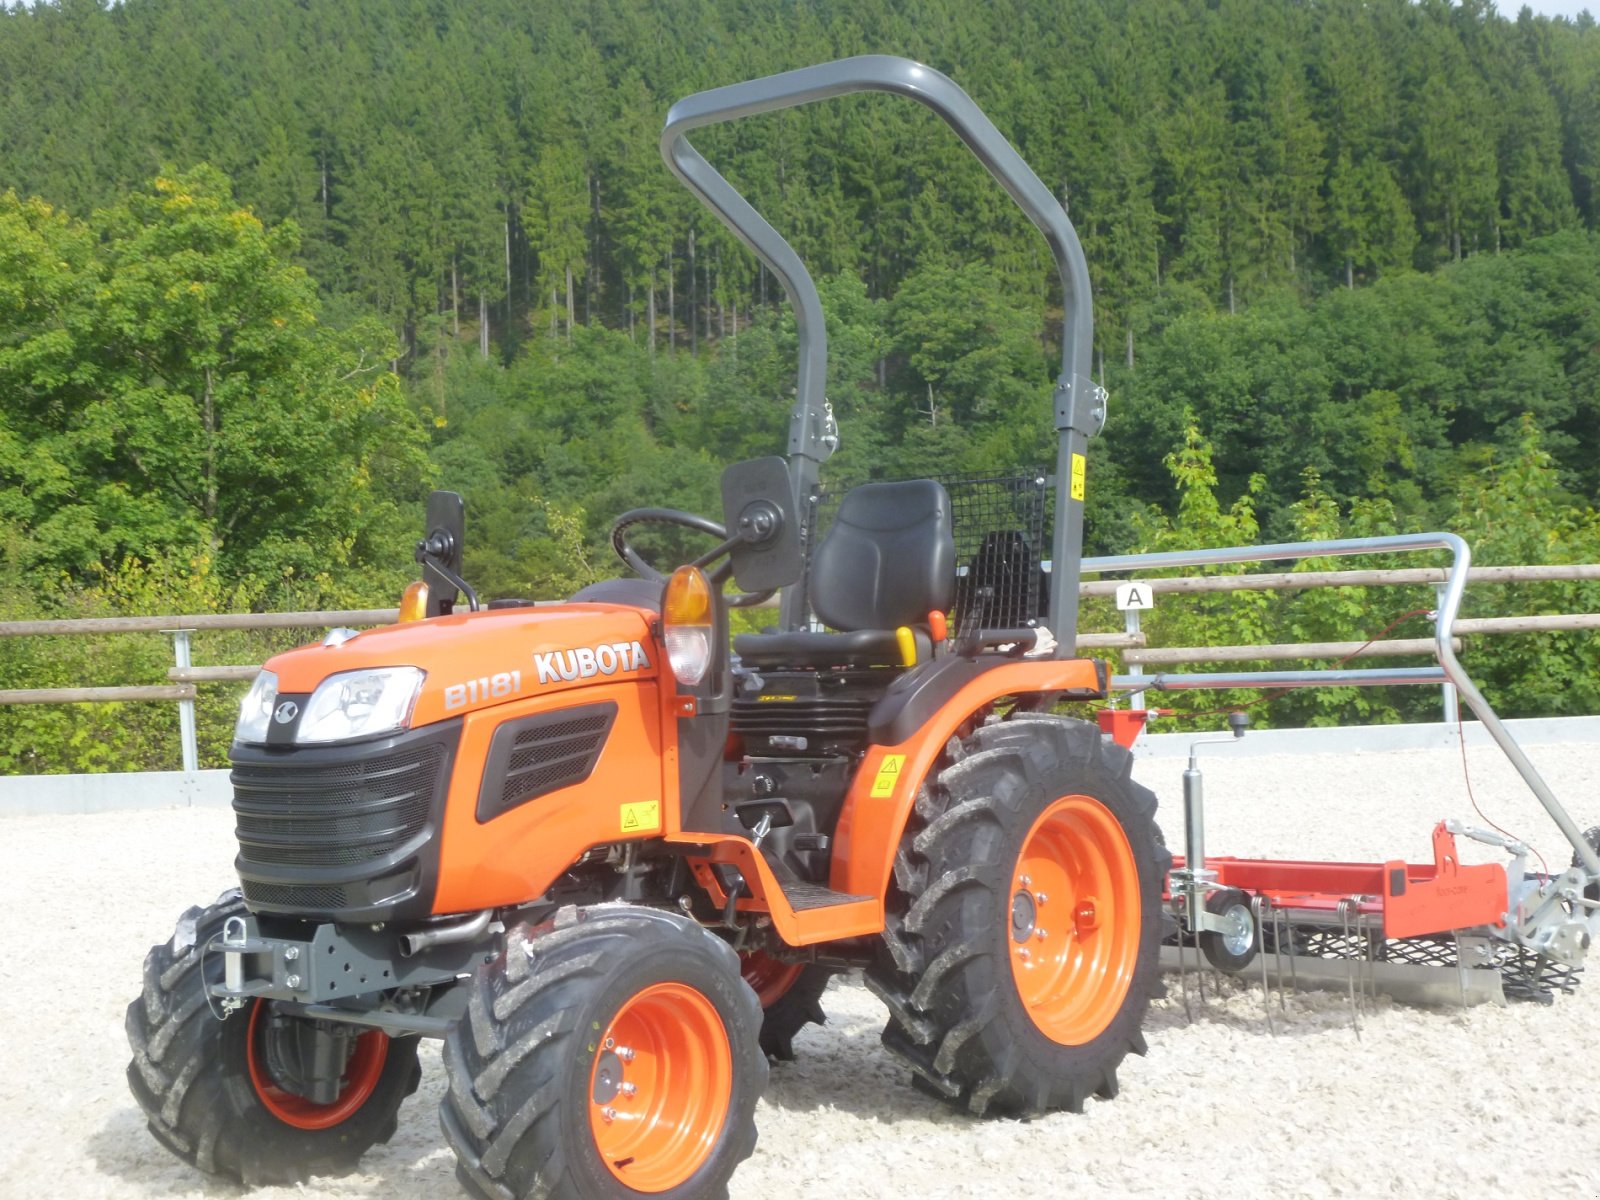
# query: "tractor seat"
888,561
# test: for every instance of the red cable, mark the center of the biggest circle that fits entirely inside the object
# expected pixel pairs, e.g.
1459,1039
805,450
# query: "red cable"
1461,740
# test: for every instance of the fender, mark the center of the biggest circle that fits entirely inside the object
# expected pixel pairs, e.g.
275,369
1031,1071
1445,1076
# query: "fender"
879,802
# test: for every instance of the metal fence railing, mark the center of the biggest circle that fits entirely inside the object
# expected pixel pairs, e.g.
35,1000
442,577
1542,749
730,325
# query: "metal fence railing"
184,675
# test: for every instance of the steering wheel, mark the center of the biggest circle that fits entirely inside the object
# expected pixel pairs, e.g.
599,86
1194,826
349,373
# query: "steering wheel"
686,520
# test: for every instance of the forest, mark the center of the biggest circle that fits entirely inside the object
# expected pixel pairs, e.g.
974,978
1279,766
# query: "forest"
269,272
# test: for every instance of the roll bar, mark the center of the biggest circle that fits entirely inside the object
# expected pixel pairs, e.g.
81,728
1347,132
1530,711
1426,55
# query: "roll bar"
1078,405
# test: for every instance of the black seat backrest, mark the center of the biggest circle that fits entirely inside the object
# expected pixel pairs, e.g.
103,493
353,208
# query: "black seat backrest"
889,560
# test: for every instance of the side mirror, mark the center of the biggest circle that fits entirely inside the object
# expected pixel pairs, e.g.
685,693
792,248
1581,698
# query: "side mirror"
758,508
440,553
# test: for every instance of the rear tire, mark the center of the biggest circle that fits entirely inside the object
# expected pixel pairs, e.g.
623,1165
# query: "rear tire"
206,1087
539,1105
1024,920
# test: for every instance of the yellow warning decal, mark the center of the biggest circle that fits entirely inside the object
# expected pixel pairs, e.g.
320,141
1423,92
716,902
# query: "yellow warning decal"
888,774
776,699
642,816
1079,463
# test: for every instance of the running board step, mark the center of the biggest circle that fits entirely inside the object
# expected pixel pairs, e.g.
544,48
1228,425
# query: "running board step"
804,896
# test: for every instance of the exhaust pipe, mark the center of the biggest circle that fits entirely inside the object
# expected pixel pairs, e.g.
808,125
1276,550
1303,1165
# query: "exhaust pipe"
468,930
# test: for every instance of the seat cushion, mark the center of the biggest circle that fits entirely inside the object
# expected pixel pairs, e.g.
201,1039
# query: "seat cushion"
863,648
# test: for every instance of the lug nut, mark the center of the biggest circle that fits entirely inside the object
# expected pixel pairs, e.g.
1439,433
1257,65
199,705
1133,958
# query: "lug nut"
611,1043
1041,934
1026,881
1023,953
630,1090
1040,899
625,1053
610,1114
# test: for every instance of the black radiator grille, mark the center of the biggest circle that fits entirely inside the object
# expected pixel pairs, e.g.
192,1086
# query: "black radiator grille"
534,756
335,815
554,756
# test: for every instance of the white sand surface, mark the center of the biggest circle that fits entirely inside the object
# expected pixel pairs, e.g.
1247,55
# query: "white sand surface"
1426,1102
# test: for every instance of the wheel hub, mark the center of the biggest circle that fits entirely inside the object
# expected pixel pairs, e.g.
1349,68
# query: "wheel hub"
1237,932
1024,914
607,1077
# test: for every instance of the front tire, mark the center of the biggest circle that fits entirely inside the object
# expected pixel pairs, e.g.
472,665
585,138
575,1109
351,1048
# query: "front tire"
612,1053
1024,920
208,1087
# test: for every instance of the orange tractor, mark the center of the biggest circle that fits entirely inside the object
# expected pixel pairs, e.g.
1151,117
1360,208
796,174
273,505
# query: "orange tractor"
612,859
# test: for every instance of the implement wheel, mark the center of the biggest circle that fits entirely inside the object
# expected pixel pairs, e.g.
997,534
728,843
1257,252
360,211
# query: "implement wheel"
790,996
1024,920
227,1095
1233,949
614,1056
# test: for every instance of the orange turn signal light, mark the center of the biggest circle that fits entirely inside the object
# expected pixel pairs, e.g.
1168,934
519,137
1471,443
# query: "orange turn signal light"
688,598
414,603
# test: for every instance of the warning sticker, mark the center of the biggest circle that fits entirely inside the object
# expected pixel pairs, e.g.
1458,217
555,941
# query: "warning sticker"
888,775
642,816
1079,464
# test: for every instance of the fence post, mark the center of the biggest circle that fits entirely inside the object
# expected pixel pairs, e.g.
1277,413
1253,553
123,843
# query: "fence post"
191,750
1131,624
1447,691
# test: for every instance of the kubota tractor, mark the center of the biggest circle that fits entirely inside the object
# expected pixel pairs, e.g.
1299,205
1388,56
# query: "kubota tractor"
613,864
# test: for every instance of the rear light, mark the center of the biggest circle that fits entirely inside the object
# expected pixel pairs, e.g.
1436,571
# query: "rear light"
414,603
686,624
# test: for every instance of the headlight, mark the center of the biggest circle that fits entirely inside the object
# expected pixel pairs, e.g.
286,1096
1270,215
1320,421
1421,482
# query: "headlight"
255,714
360,704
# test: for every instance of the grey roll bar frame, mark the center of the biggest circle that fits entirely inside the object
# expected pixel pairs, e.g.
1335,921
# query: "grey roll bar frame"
1449,670
1078,404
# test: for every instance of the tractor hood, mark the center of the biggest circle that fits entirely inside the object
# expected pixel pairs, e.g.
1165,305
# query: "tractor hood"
475,660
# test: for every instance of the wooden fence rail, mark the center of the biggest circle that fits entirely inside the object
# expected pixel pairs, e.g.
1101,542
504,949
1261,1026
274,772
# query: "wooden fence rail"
183,677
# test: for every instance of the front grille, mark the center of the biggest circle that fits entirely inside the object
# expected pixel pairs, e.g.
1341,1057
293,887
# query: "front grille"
292,896
343,832
314,816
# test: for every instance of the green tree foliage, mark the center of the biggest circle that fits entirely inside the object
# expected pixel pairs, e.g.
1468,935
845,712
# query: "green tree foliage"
1345,259
168,389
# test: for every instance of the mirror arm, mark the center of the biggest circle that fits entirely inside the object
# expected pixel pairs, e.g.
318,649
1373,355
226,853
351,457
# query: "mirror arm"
450,577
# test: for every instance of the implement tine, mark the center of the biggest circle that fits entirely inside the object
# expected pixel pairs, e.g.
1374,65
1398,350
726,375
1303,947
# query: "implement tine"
1259,905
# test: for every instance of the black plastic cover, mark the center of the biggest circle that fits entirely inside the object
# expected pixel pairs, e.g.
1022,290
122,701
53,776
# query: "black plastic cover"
758,507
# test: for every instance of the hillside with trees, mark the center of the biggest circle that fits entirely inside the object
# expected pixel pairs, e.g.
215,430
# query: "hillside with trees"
268,272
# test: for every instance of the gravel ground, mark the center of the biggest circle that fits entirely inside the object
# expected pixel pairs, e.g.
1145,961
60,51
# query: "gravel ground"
1424,1102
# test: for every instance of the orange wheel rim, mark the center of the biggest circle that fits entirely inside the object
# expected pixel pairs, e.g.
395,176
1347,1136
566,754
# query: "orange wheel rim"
660,1087
1074,920
770,978
361,1074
